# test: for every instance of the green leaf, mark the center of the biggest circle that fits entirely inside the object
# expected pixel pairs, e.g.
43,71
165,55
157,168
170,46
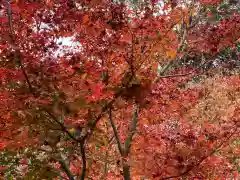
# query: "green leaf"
158,33
97,147
238,47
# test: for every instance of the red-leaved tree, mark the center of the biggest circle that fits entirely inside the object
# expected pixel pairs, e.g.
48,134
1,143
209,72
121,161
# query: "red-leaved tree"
102,89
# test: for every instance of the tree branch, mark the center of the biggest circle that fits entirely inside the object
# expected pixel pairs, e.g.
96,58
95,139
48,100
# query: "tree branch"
87,131
17,53
63,128
186,74
105,165
84,163
120,147
66,169
9,13
125,151
132,131
180,48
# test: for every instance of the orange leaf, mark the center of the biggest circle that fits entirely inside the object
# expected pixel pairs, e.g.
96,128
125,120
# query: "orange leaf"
172,170
171,54
174,105
85,19
112,56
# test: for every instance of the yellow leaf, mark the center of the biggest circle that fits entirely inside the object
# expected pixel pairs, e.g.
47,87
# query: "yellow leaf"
171,54
71,130
192,11
84,75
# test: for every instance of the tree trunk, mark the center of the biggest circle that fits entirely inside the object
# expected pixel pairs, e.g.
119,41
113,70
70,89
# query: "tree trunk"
126,171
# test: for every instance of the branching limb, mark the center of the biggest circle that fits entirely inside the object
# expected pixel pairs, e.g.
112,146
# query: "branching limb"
17,53
65,168
132,130
181,47
63,128
128,141
87,131
120,147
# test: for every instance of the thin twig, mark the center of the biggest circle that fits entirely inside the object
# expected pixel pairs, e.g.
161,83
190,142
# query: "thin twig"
170,63
64,129
87,132
17,52
180,48
186,74
9,13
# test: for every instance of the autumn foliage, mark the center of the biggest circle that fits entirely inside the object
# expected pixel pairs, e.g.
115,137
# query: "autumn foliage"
102,89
